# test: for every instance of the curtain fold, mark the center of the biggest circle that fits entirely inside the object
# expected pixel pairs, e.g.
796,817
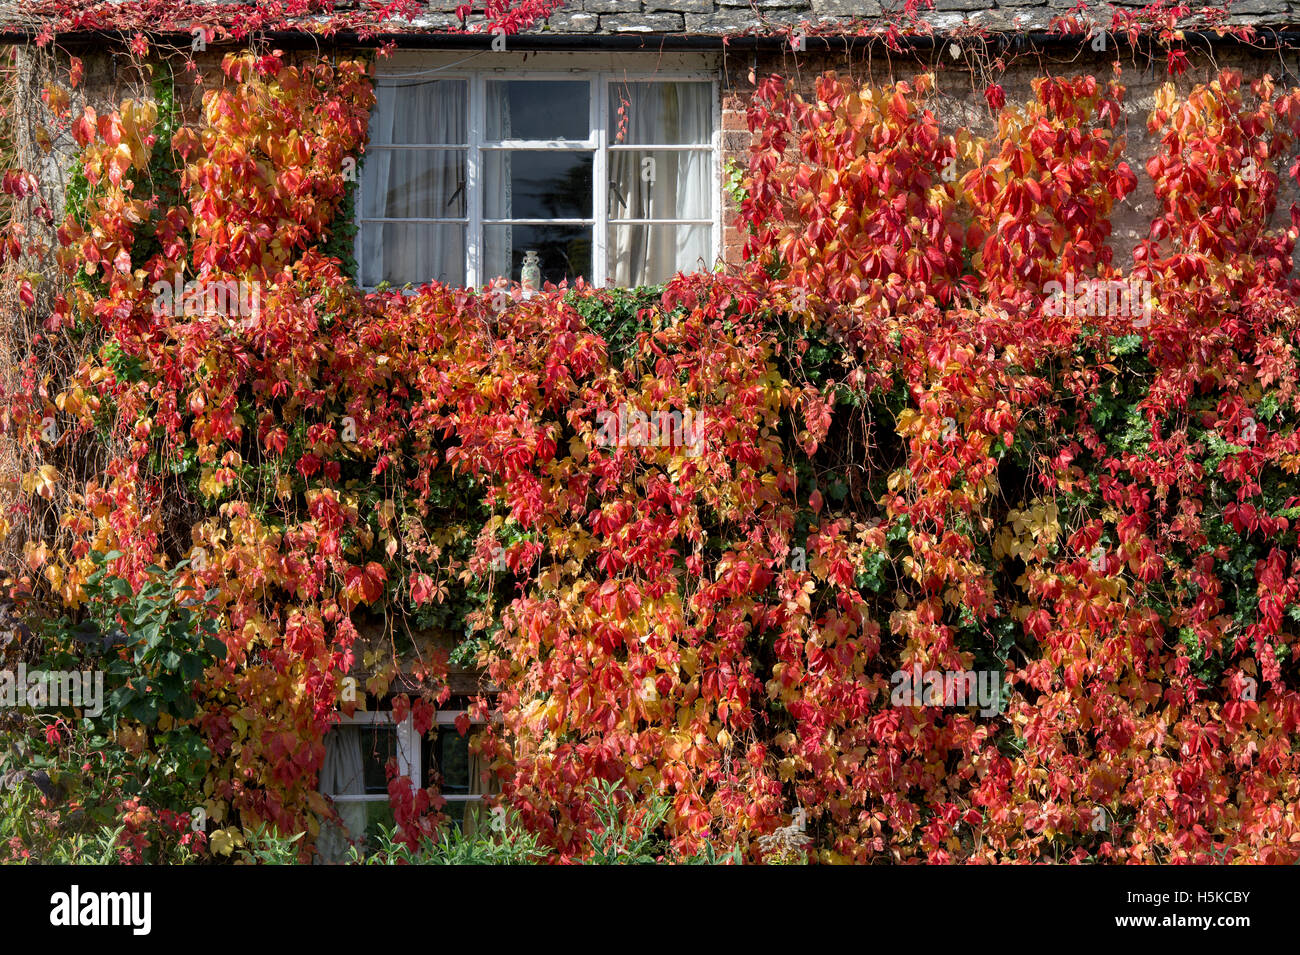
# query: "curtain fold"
475,811
415,183
342,774
676,186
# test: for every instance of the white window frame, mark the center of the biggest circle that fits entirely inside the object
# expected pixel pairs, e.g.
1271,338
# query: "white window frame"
600,74
408,749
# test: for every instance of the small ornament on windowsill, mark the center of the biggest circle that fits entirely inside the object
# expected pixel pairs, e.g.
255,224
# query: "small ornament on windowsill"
530,276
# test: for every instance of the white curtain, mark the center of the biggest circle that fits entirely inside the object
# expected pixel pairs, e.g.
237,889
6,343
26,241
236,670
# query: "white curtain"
677,186
415,183
342,774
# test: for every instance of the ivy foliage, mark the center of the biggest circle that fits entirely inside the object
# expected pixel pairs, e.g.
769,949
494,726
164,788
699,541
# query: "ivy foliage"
928,532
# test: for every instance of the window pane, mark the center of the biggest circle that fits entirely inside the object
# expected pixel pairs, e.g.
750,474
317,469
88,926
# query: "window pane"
520,184
361,823
669,114
538,109
414,184
421,111
651,254
449,763
564,250
659,184
355,759
414,252
378,746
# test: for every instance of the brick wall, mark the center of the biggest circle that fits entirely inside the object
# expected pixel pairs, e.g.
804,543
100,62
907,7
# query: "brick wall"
960,102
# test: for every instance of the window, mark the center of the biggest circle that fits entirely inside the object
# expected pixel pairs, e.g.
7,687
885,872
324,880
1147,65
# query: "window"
609,176
354,776
456,772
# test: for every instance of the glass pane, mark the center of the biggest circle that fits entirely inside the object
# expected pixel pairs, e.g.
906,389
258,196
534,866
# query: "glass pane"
378,746
378,813
651,254
414,184
520,184
414,252
538,109
564,250
659,184
449,762
668,114
356,757
361,823
421,111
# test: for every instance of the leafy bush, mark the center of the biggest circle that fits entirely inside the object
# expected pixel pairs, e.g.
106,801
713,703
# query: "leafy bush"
132,773
618,838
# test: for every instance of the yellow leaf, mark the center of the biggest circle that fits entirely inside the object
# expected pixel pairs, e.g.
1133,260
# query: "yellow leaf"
224,841
41,481
577,449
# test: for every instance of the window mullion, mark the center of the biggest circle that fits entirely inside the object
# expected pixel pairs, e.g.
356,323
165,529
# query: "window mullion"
474,182
408,751
600,180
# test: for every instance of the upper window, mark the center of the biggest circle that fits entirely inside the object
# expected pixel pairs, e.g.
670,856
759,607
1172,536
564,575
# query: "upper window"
611,178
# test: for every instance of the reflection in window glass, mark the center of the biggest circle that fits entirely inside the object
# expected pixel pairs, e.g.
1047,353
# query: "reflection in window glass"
378,746
449,761
524,184
563,250
361,824
538,109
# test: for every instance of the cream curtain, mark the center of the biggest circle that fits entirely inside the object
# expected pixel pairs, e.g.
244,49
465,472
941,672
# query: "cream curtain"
676,185
415,183
342,774
475,812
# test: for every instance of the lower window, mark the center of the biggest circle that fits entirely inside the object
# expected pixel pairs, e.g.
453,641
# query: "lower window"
354,775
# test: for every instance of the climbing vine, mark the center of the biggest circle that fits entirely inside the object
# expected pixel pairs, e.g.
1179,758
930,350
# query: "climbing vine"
696,538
